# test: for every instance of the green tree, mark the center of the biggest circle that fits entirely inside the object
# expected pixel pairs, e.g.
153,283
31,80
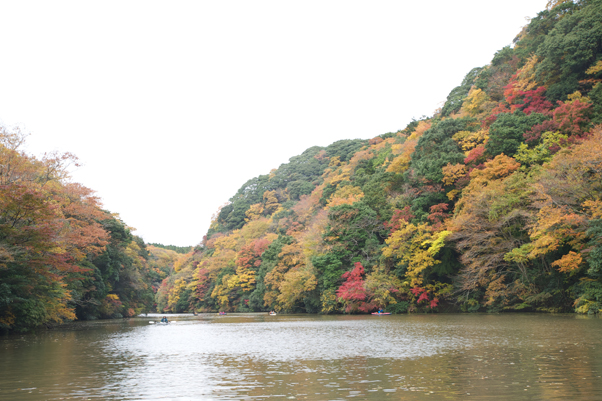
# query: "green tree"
329,269
355,233
436,149
506,133
570,48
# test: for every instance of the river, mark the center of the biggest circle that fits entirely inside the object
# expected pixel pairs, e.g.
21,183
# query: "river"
256,356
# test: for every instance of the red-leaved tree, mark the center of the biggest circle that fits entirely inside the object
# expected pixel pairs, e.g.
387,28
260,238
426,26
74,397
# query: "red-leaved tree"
353,292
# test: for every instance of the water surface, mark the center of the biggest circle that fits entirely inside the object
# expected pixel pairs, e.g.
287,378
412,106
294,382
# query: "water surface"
255,356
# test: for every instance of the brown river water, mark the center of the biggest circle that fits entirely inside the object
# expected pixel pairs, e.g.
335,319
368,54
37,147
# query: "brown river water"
256,356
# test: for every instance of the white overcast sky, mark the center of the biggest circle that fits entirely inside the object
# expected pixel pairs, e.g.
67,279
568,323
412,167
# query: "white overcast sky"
173,105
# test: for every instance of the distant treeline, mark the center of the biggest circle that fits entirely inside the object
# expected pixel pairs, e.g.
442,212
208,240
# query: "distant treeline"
178,249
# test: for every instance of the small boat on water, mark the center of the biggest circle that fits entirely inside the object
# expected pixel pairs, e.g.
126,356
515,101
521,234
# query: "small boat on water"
381,313
272,313
221,313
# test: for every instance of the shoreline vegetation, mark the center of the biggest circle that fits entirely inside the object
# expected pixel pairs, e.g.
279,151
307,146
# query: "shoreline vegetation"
492,204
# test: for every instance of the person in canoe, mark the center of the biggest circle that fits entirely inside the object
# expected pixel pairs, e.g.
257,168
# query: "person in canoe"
164,319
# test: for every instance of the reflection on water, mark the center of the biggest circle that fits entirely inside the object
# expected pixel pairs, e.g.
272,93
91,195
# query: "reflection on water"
253,356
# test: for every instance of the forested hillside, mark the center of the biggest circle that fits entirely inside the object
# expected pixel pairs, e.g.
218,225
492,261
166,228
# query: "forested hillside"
492,204
62,256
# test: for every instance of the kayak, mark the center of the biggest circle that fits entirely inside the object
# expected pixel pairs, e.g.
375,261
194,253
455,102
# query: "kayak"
383,313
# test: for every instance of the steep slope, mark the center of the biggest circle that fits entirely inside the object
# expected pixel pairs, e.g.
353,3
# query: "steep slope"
493,203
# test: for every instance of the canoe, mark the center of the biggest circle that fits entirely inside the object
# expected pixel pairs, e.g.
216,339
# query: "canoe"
384,313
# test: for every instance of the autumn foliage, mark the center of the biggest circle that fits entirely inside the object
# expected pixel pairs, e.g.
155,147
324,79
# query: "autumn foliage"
493,203
55,242
352,291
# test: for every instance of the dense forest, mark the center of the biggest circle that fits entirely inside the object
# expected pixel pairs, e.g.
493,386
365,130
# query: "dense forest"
491,204
62,256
